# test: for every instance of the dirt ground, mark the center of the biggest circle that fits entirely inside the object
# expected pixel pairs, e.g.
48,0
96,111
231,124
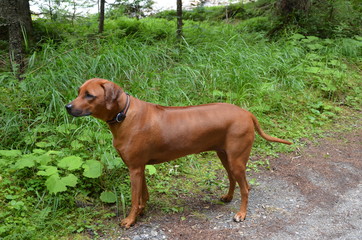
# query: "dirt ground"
312,193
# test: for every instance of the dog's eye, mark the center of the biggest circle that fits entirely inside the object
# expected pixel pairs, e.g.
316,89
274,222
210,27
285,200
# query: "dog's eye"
89,96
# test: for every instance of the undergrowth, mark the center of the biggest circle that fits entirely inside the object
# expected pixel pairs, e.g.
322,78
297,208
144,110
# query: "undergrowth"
60,175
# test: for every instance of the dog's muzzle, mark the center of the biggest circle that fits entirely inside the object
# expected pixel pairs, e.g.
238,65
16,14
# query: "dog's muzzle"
76,112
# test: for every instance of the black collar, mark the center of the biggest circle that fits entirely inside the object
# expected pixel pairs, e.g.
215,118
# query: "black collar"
122,114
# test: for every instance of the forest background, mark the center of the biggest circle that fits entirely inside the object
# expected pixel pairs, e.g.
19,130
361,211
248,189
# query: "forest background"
295,64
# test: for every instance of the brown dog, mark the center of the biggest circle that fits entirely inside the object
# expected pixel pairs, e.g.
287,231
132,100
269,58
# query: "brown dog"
146,133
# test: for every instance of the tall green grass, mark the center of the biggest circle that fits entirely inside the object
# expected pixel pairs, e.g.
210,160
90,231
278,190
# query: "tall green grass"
293,86
213,63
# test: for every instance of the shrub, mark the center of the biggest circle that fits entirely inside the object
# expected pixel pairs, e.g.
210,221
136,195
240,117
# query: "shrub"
256,24
325,19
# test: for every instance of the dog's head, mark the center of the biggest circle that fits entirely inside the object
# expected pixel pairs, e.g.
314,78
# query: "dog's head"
96,97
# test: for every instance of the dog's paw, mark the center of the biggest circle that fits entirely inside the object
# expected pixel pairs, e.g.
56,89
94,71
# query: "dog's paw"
226,198
127,222
239,217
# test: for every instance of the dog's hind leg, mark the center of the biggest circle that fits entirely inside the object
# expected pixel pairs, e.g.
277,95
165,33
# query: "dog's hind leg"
232,183
237,159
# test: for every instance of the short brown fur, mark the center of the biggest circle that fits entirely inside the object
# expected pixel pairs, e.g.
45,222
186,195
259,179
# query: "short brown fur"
152,134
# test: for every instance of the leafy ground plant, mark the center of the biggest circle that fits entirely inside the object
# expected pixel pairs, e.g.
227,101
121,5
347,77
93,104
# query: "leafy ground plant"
55,168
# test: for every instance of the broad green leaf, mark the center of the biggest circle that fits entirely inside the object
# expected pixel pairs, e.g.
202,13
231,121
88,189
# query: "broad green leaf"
310,39
3,162
92,169
11,197
151,169
108,197
70,163
110,160
334,62
66,128
70,180
217,93
43,159
48,171
18,205
315,46
43,129
38,151
10,153
86,136
76,145
26,161
52,152
43,144
63,128
297,36
55,185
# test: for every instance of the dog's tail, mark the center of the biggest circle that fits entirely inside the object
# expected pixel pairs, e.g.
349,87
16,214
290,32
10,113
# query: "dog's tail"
264,135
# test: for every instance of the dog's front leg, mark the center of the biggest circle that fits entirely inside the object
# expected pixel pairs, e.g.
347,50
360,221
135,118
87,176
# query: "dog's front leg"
137,175
145,195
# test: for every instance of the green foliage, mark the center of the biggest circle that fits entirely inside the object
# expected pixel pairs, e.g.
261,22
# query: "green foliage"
57,184
151,169
92,169
70,163
45,29
150,29
325,19
132,8
256,24
321,113
327,70
10,153
46,163
108,197
55,167
236,11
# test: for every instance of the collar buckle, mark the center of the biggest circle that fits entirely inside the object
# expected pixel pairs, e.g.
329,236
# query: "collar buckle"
120,117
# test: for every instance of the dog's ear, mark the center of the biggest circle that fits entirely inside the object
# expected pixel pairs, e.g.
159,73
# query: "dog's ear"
111,93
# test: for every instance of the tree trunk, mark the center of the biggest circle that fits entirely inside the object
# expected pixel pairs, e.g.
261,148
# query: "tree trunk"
101,16
16,14
17,11
179,19
74,11
25,16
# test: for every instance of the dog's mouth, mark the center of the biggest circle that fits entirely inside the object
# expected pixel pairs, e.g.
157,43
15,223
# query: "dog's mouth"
76,112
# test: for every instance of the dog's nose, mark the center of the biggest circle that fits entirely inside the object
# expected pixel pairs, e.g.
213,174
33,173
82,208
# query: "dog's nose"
69,107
